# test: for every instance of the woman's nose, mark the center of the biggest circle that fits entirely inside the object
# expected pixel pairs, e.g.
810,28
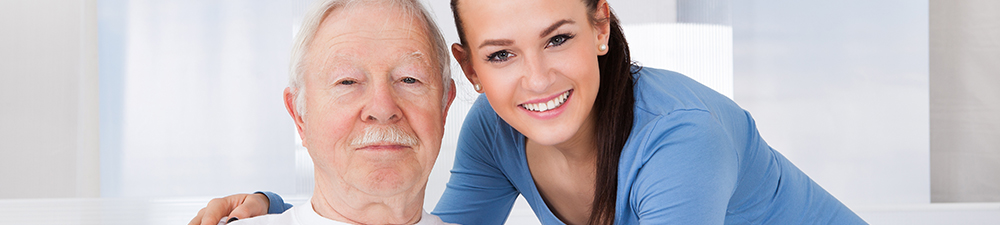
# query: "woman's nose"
538,76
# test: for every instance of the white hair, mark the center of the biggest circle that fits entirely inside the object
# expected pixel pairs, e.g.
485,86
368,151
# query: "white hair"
384,135
320,9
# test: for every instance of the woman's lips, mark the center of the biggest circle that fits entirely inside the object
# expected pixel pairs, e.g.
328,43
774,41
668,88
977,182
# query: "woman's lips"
542,110
547,104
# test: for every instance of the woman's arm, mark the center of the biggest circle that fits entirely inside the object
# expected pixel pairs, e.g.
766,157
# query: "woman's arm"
478,191
276,205
689,172
241,206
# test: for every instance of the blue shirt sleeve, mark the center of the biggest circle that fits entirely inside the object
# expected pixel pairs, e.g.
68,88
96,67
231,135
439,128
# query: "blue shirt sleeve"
478,191
691,144
276,204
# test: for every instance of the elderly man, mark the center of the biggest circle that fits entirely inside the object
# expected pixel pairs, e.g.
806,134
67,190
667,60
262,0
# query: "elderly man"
369,93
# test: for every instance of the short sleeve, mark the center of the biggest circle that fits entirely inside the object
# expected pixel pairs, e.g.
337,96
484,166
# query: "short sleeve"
276,204
689,171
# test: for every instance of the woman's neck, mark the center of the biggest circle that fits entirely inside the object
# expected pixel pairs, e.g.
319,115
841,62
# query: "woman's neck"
565,174
580,148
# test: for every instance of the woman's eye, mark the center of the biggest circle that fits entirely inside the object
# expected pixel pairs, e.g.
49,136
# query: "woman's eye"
558,40
409,80
500,56
348,82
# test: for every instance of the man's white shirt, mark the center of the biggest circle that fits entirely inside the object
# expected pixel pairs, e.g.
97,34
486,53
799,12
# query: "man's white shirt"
304,214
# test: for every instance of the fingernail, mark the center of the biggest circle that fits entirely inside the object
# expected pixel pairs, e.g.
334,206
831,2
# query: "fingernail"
232,219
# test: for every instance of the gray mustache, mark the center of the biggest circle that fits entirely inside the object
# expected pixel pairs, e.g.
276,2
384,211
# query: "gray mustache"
391,135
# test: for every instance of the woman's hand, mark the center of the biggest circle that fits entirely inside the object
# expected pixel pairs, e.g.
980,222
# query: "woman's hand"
239,205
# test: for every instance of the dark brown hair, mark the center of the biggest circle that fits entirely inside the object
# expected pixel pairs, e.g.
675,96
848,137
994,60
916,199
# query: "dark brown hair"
614,105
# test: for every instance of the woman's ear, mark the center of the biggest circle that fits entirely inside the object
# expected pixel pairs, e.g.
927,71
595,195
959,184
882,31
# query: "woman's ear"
464,59
603,14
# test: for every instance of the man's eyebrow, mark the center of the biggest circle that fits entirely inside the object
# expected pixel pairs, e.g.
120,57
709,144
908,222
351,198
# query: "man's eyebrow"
555,26
415,55
497,42
327,62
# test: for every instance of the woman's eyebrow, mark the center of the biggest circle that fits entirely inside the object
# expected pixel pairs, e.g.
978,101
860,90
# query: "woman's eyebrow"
546,32
555,26
497,42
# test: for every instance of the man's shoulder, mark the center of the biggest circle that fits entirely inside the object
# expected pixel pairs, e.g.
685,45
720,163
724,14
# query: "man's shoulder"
284,218
431,219
311,217
301,214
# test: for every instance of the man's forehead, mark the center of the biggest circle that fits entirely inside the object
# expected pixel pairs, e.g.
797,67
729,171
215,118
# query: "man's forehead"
347,55
375,19
371,31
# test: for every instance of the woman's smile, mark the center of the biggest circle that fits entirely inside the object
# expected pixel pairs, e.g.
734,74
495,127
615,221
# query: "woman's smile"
547,108
546,104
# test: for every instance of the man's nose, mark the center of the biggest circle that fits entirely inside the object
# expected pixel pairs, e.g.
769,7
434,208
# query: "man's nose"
381,106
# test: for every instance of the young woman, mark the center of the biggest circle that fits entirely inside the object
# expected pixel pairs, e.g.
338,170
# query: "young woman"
567,121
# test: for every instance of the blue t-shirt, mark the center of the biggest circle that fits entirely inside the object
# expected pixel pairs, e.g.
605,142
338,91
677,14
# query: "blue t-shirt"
693,157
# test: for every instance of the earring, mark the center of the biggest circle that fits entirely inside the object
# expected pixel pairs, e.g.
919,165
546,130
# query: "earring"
602,47
477,87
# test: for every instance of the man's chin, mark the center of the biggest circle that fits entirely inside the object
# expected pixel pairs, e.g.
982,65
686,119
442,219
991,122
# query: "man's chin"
389,182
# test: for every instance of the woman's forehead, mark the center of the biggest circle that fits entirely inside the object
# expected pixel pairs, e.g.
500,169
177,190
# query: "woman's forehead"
504,18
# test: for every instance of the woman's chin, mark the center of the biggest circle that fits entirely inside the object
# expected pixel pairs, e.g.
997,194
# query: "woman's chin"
547,137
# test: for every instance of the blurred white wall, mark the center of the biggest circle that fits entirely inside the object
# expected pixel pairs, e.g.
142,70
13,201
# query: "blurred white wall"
48,99
195,98
965,101
841,89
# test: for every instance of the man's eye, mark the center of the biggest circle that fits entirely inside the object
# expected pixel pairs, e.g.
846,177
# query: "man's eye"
500,56
348,82
558,40
409,80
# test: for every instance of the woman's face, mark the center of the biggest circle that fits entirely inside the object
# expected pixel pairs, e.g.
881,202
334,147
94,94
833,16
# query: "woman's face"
536,61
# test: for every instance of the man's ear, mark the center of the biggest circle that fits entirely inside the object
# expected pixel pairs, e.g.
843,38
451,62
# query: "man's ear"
603,13
290,106
464,60
451,98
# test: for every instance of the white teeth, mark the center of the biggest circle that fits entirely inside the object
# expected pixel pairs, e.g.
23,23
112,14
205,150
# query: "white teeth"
546,106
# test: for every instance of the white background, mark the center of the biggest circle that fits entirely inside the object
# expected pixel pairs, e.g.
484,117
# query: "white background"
189,95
